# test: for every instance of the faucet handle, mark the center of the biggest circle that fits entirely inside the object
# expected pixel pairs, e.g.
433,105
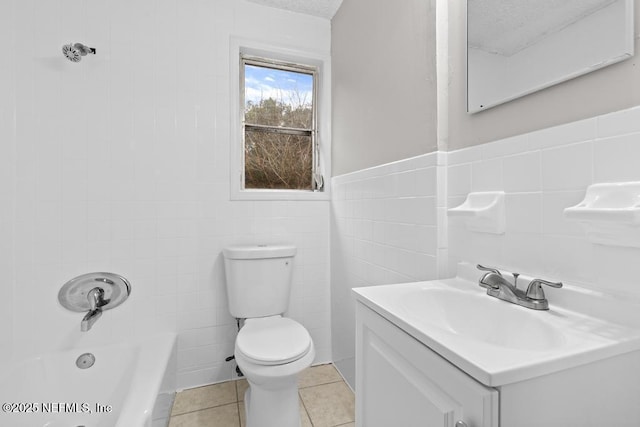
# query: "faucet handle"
534,290
96,298
489,269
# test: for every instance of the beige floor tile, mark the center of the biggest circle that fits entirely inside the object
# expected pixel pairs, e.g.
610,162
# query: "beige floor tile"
305,421
316,375
325,401
304,417
243,417
329,405
210,396
221,416
242,386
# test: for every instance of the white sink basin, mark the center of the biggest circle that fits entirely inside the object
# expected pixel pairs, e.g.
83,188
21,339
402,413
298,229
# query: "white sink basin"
476,317
494,341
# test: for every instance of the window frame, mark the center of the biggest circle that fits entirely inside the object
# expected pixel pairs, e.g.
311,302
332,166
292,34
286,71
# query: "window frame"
242,48
260,61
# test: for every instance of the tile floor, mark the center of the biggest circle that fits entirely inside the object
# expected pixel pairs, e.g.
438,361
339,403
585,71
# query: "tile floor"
325,401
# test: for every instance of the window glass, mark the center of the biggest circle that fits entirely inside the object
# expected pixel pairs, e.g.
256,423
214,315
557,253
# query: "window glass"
278,161
278,97
280,147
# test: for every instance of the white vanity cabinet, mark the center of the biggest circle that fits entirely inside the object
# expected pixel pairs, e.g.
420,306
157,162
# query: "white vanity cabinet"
401,382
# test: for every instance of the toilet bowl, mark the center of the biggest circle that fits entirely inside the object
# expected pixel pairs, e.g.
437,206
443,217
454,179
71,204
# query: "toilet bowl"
270,349
271,352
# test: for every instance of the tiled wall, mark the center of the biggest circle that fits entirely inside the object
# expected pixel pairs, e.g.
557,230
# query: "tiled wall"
7,190
389,223
384,230
542,173
121,163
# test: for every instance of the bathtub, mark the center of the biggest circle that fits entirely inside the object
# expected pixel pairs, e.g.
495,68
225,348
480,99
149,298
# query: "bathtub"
129,385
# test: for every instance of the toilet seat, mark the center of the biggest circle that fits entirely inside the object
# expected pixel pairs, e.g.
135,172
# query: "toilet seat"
273,340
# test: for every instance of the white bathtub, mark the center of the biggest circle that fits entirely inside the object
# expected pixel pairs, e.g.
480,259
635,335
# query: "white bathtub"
129,385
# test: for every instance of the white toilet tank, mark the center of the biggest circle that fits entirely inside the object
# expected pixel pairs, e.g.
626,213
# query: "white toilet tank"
258,279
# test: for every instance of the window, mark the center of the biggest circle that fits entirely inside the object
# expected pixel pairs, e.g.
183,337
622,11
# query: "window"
278,103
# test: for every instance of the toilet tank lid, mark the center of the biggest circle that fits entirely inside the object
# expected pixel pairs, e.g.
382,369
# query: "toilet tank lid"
259,251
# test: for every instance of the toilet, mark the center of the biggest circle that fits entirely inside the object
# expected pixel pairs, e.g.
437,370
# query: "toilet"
270,349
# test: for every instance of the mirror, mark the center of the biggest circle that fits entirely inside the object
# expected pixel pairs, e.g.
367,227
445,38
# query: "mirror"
518,47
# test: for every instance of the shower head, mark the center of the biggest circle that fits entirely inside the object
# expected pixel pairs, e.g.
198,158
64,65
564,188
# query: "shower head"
75,52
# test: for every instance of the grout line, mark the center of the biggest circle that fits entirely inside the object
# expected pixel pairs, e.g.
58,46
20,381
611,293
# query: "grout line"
237,400
204,409
209,408
315,385
342,376
237,404
305,408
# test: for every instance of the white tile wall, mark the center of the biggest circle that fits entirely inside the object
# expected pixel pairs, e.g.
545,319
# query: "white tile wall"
121,163
384,230
550,171
7,188
378,237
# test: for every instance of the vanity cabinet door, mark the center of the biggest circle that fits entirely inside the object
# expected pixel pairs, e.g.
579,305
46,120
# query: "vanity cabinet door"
401,382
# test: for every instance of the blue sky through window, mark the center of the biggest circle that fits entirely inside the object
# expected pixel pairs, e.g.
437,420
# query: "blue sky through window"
289,87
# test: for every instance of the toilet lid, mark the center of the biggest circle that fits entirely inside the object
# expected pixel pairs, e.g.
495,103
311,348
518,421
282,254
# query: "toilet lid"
273,340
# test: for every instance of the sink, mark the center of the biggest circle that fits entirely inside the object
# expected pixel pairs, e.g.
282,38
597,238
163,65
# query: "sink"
478,317
499,343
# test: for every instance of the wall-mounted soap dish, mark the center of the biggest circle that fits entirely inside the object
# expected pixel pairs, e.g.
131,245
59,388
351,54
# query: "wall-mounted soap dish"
482,212
610,213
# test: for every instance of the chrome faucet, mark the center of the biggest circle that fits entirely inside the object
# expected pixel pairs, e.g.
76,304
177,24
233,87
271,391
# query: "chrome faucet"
498,286
96,300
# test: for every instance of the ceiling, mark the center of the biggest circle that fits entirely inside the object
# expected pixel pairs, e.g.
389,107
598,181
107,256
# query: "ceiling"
506,27
496,26
321,8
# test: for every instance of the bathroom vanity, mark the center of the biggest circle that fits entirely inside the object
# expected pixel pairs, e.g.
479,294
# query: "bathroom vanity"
443,353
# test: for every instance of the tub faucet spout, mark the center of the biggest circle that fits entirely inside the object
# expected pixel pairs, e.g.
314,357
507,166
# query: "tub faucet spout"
89,319
96,300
